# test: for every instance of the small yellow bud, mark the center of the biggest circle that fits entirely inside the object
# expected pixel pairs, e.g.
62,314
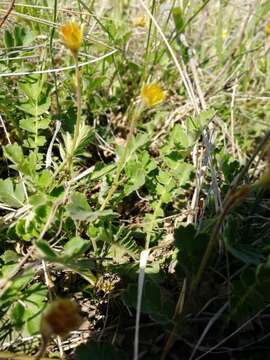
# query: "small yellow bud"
152,94
224,34
61,317
139,21
267,28
71,35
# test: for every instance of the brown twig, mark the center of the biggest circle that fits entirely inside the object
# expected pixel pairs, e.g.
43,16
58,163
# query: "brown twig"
11,6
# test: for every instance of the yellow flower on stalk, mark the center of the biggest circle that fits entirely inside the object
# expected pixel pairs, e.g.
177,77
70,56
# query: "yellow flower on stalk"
72,36
61,317
267,28
152,94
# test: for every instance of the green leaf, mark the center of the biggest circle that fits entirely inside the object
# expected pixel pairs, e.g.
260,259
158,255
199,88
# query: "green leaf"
156,302
43,123
178,19
29,164
28,124
18,284
183,173
205,116
69,259
9,256
16,315
76,246
8,39
79,209
79,200
10,196
38,199
45,179
45,250
250,293
136,176
102,170
134,145
19,192
35,303
245,252
181,136
19,33
32,86
14,153
35,109
191,247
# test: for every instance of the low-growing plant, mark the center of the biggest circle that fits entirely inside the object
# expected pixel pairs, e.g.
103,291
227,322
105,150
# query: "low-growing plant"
134,179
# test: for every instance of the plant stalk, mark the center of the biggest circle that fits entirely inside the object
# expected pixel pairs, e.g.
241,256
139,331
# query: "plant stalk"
79,109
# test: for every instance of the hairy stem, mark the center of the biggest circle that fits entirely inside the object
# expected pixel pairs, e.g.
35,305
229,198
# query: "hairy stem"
79,111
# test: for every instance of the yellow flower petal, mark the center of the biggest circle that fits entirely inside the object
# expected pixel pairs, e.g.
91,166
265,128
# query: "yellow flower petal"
71,35
152,94
139,21
267,29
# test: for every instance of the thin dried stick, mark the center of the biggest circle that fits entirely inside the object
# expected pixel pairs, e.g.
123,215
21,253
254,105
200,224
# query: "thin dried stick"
50,71
10,8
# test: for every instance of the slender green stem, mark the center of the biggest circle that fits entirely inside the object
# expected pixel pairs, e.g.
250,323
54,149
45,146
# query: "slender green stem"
79,103
79,111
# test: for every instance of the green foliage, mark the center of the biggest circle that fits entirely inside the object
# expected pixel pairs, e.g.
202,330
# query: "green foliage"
250,293
79,209
191,245
22,302
107,193
157,301
25,315
20,36
248,254
10,194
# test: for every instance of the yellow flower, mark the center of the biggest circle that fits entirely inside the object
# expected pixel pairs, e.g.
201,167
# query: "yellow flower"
71,35
267,28
224,34
152,94
139,21
61,317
